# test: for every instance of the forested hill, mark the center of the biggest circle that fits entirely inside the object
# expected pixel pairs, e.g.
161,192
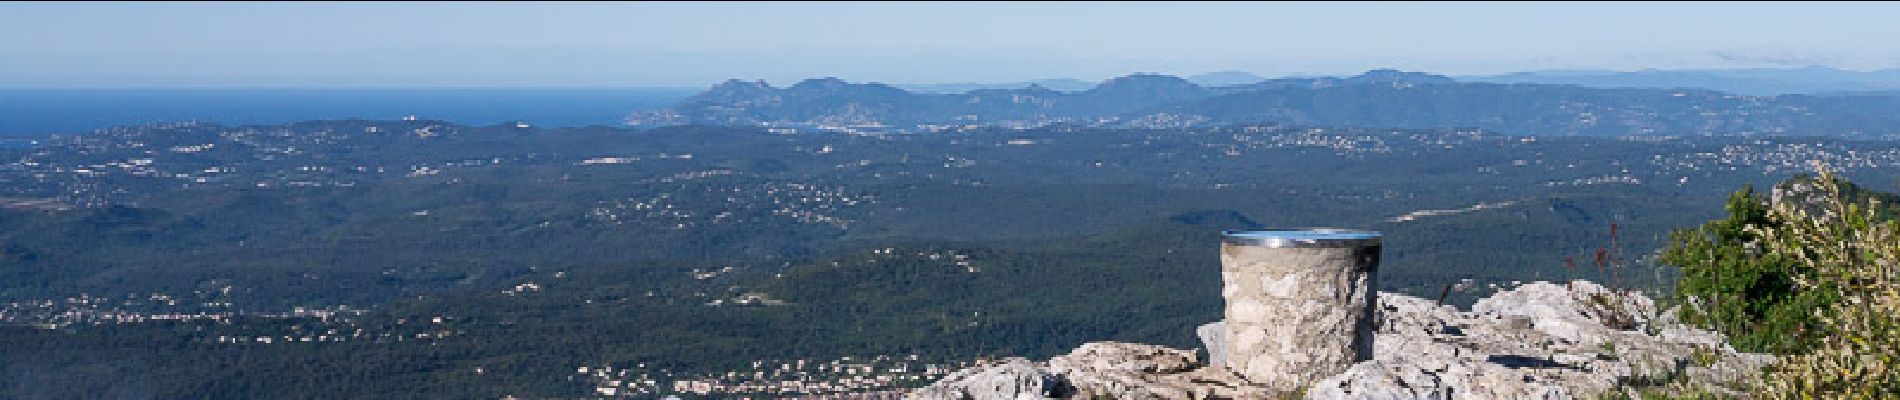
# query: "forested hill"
426,259
360,212
1379,98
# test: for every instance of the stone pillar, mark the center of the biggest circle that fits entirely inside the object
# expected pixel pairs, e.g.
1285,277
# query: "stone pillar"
1300,303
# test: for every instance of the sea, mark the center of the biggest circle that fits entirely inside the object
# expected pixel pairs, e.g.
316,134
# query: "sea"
26,114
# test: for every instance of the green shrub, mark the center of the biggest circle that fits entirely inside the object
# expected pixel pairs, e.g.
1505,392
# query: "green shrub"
1733,286
1850,250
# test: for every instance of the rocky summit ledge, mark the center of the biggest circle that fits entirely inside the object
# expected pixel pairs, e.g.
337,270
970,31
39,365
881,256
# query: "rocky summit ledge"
1536,341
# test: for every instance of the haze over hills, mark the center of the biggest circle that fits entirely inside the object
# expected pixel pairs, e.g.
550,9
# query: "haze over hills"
35,113
1226,78
1749,81
1210,79
1378,98
1217,78
1060,85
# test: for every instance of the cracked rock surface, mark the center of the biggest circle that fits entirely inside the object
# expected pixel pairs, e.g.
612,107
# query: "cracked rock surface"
1537,341
1095,371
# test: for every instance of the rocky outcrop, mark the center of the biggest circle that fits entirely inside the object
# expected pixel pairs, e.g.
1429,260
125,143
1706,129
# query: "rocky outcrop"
1541,340
1536,341
1214,338
1099,370
1013,378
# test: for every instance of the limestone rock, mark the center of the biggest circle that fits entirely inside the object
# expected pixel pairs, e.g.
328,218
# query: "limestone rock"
1112,357
1014,378
1579,312
1214,339
1099,370
1536,341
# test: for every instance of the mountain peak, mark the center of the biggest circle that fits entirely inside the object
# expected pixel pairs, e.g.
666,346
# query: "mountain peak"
1388,75
821,83
733,90
1145,82
740,84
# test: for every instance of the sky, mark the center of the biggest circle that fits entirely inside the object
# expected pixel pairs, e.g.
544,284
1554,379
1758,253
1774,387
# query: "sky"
488,44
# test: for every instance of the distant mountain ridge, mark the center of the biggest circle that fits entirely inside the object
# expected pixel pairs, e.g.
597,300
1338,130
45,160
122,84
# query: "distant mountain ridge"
1226,78
1749,81
1377,98
1060,85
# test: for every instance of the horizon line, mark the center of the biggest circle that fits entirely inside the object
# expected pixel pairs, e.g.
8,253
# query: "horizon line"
1016,81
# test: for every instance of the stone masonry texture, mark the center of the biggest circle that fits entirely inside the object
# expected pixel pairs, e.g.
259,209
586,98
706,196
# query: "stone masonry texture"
1296,315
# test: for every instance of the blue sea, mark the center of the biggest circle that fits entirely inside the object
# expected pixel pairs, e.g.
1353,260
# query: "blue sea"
33,113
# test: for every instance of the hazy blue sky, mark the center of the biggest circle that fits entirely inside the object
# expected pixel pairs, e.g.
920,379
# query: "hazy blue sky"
695,44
